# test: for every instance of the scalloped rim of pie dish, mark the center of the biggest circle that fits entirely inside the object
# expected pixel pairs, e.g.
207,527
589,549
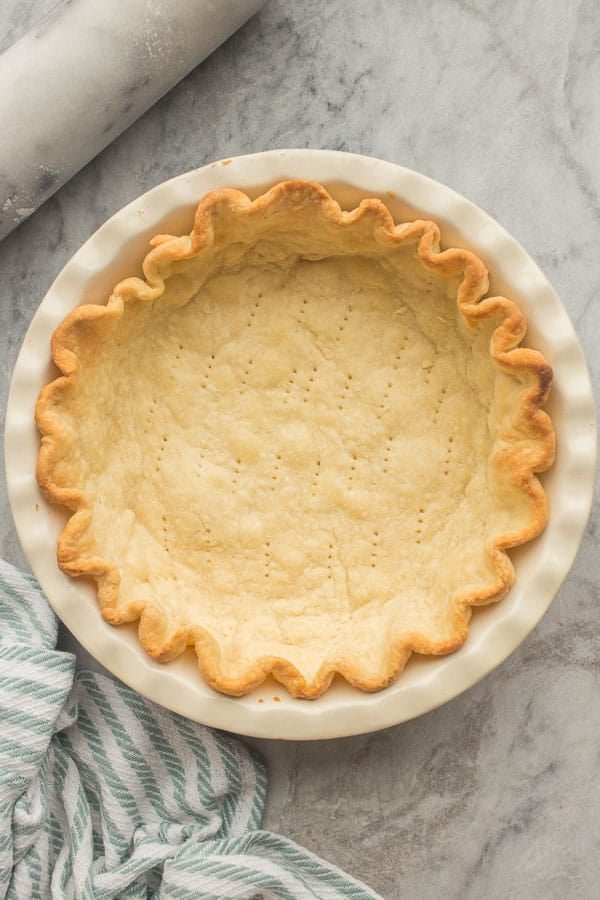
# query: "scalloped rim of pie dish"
523,444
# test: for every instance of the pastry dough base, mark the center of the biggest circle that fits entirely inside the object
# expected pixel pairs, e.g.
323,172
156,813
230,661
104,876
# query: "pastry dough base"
292,448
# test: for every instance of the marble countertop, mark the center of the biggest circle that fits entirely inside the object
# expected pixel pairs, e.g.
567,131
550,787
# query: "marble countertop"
497,793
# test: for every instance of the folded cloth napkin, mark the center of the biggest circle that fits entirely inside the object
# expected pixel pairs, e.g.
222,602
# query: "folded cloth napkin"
103,794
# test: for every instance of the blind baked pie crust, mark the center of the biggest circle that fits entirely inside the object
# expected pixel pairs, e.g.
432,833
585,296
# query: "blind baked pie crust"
301,444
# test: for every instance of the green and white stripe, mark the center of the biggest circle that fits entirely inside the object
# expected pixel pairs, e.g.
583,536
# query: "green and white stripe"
105,795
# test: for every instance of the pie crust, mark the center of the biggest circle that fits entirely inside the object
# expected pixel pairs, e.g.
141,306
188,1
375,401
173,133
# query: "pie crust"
302,444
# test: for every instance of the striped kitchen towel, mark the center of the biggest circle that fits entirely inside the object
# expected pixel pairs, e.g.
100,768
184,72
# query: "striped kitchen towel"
106,795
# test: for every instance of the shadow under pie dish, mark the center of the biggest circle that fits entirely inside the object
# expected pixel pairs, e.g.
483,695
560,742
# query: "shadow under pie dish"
302,444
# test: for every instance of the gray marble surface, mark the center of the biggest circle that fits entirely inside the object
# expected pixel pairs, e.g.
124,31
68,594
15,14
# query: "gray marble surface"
497,794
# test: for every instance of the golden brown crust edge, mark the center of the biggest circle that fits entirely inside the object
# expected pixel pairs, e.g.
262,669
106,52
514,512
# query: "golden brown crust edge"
531,453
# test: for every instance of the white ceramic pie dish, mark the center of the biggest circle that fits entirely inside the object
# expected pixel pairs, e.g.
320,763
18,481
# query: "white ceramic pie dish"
115,251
